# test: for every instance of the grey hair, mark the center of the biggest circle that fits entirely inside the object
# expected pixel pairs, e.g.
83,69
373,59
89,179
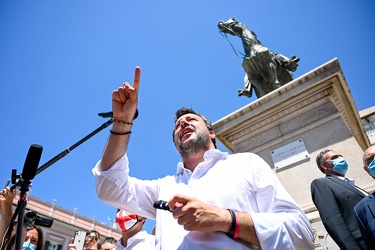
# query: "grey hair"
320,158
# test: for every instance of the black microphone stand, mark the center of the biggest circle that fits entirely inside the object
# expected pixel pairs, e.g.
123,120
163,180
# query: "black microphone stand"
22,202
25,184
68,150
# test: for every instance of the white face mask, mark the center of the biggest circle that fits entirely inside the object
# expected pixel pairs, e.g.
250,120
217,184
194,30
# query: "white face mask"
126,221
28,246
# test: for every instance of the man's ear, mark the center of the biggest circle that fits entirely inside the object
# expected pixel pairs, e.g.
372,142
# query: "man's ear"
323,165
212,134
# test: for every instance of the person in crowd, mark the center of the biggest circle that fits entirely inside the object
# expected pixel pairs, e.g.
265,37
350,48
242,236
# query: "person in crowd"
33,239
6,212
335,197
365,209
133,235
109,243
33,234
215,200
92,241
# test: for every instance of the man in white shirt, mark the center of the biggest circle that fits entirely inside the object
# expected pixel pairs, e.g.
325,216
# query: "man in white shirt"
216,200
133,235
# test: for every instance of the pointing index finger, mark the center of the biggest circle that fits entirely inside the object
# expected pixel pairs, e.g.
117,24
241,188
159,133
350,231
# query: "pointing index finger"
137,78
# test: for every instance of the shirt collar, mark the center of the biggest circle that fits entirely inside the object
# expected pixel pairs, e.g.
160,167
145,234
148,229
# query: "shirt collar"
138,236
209,154
348,180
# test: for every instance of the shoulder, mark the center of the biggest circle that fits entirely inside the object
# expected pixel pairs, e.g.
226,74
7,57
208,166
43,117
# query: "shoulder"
370,199
248,159
245,156
326,181
321,180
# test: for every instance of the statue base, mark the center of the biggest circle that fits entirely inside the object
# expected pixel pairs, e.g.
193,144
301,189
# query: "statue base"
289,126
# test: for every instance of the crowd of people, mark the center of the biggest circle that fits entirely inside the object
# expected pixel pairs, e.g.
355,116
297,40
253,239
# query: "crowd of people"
335,197
215,200
133,235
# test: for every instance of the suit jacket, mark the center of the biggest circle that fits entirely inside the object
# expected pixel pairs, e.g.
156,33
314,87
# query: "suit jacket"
365,212
335,200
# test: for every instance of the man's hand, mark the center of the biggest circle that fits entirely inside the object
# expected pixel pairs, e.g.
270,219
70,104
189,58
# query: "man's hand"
125,99
196,215
7,196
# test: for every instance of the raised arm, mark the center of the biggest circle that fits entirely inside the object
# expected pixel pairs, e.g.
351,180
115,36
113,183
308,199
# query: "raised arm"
6,200
124,106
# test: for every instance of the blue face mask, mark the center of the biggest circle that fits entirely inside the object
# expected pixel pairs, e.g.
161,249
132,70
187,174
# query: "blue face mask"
28,246
340,165
371,168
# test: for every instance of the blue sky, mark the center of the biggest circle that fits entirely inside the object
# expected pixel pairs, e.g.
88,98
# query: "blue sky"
61,60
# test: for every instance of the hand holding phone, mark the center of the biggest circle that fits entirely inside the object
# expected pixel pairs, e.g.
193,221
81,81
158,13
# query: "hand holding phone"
79,239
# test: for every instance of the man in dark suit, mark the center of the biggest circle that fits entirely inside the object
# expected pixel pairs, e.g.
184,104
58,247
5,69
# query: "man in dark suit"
365,209
335,197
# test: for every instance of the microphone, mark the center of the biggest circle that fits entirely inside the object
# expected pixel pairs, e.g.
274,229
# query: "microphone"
31,163
110,114
163,205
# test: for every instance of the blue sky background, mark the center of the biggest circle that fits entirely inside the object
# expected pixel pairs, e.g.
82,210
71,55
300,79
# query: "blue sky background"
61,60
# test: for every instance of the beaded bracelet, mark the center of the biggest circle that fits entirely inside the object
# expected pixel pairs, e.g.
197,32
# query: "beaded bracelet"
122,122
117,133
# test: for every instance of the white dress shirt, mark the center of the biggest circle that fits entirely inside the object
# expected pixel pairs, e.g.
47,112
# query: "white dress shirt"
242,182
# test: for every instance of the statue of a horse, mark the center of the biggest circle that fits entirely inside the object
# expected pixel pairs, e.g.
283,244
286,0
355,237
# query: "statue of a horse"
265,70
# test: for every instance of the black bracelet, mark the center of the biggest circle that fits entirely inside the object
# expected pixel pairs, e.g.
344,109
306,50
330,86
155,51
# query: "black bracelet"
233,226
117,133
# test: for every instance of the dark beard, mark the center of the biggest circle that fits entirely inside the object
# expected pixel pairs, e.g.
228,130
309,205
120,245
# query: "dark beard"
194,146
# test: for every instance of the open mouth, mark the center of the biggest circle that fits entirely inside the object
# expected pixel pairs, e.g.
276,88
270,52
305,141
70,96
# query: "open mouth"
186,132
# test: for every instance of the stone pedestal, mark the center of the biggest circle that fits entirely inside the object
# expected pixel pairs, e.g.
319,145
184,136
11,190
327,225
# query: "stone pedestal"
311,113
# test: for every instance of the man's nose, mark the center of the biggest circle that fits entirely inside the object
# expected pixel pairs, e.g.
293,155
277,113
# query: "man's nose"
184,123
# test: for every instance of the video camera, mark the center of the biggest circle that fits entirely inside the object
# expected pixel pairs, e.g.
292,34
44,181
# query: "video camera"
31,218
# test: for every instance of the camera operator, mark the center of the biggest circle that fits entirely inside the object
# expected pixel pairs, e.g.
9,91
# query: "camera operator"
32,234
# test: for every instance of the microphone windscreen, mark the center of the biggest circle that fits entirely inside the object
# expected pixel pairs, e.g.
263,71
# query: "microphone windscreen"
31,163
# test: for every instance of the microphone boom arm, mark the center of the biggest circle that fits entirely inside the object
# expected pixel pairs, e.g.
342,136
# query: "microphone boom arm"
68,150
24,184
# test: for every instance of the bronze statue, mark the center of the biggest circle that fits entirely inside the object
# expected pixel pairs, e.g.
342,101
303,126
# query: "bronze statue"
265,70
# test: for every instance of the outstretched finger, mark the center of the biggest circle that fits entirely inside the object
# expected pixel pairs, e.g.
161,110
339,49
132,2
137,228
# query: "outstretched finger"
137,78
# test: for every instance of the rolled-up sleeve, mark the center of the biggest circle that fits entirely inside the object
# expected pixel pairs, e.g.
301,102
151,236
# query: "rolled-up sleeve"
116,188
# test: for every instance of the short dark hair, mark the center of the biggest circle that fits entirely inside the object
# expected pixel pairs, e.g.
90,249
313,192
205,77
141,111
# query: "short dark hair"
320,158
110,240
183,111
